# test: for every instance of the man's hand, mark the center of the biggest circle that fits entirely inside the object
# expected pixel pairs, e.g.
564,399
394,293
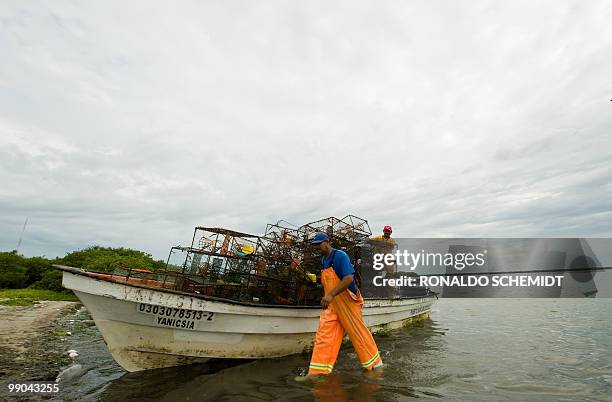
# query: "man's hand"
341,287
326,300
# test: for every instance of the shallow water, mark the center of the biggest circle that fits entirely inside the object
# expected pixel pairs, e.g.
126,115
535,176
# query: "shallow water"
471,349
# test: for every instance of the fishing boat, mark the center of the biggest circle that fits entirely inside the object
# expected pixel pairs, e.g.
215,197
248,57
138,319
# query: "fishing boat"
228,299
147,328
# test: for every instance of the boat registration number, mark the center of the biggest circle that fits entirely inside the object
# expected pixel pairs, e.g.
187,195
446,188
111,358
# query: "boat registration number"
176,317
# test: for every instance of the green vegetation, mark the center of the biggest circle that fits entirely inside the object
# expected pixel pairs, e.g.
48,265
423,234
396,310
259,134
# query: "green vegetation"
39,280
105,259
26,297
383,331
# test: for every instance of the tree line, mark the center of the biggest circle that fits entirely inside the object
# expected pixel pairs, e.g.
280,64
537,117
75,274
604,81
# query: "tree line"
18,272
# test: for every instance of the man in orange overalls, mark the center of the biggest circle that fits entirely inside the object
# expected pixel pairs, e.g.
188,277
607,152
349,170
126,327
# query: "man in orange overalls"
342,305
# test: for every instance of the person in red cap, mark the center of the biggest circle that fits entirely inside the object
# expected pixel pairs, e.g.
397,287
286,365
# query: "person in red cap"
384,244
386,236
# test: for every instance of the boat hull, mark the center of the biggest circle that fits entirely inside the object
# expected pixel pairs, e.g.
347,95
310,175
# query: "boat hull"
146,328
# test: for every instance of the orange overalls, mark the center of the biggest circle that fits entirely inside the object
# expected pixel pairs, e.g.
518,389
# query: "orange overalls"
343,314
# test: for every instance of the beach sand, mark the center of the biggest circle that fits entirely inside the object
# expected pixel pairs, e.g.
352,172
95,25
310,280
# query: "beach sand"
30,341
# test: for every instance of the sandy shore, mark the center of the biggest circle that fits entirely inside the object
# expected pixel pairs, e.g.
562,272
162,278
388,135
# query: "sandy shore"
30,341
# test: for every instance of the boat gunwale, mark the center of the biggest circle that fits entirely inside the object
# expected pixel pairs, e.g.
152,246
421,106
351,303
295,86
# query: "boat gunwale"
94,276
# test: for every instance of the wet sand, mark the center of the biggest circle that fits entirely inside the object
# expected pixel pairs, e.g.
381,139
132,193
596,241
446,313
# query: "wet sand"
31,347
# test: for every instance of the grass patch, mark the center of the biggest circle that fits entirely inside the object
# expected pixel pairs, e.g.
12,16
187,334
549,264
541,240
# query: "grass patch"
59,333
28,296
16,302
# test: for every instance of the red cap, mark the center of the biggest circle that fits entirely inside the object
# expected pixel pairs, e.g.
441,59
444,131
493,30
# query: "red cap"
389,228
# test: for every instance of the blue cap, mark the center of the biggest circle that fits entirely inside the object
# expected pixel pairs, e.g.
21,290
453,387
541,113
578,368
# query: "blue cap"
319,237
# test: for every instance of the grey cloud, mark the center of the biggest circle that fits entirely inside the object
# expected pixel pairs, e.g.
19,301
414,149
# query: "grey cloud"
128,124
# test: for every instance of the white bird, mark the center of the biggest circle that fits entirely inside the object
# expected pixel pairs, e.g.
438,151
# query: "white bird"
69,373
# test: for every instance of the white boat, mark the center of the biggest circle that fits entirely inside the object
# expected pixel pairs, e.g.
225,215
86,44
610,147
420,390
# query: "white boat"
146,327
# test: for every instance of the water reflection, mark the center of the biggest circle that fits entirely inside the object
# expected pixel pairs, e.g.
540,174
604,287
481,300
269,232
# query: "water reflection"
273,379
241,381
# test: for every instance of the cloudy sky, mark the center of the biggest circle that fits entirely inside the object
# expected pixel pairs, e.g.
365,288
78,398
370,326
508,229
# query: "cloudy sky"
127,123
